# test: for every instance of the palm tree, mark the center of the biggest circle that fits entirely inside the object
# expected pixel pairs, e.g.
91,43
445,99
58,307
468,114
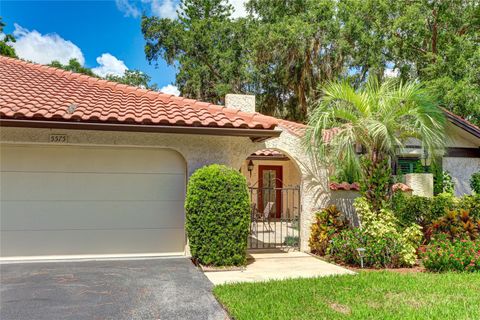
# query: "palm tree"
379,117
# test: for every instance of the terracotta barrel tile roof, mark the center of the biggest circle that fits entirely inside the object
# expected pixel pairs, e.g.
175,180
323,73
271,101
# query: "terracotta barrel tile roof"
32,91
268,153
401,187
344,186
299,129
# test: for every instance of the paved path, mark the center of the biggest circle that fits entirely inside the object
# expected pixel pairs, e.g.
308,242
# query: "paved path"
278,265
166,288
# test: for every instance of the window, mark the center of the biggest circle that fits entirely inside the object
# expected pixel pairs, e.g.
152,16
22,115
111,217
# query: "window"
408,165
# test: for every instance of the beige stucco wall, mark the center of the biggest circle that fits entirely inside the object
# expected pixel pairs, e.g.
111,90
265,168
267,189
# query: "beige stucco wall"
461,169
197,151
314,186
421,183
455,138
343,200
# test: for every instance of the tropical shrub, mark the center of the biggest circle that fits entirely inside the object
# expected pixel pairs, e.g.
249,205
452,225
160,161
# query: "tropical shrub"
380,117
470,203
386,242
328,222
384,224
456,224
422,210
475,182
380,252
218,216
442,203
448,185
376,182
443,254
411,209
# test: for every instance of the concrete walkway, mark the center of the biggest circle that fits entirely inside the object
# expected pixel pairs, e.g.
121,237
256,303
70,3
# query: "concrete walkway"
277,265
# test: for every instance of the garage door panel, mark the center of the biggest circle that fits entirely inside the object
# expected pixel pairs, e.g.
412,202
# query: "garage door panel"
100,159
88,242
91,186
77,215
70,200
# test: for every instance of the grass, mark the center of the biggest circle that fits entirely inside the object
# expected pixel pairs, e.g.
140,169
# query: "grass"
368,295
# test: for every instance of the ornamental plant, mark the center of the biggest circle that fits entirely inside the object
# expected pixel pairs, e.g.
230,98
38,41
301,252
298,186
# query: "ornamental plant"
423,210
328,222
383,224
457,224
471,203
475,182
383,252
379,116
443,254
218,216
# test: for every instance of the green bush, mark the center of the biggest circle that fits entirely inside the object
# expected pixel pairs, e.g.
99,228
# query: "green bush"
383,252
442,254
218,216
470,203
456,224
421,210
441,204
475,182
328,222
384,225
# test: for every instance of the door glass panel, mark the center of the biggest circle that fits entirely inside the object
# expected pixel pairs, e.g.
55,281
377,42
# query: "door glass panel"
269,192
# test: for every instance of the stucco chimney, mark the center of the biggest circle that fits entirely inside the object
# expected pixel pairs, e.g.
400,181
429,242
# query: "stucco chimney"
244,102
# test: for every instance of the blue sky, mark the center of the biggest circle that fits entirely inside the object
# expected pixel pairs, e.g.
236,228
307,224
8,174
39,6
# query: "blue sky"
93,28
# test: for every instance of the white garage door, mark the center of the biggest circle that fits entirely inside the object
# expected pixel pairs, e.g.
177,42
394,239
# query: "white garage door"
68,200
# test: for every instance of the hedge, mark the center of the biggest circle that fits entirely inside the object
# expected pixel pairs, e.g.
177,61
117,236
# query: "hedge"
423,210
218,216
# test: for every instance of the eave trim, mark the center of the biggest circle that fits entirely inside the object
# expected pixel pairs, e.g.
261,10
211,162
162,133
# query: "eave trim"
254,134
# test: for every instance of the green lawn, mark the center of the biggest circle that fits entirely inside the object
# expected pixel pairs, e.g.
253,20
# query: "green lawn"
368,295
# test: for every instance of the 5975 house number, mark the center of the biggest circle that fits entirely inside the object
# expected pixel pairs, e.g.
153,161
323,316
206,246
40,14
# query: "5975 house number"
58,138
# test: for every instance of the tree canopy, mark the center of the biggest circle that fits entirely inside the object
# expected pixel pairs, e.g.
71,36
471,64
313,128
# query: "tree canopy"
131,77
285,51
5,48
134,78
74,66
379,117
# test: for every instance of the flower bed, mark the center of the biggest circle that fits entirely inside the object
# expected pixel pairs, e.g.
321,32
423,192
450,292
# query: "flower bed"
443,254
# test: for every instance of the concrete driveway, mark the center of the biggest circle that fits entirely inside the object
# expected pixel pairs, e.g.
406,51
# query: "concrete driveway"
166,288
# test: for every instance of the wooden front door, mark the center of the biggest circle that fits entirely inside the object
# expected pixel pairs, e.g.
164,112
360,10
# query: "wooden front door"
270,190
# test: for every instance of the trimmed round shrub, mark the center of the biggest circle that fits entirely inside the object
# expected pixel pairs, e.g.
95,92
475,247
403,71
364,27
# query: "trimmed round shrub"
218,216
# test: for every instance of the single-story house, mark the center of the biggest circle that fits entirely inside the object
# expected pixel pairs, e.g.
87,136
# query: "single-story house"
91,167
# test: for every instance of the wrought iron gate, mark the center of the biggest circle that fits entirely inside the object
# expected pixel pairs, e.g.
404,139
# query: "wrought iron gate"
275,214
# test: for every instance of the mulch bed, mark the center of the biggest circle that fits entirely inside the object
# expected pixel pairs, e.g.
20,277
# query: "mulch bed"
205,268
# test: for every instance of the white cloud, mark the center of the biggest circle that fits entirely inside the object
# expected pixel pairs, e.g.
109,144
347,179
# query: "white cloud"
128,9
168,8
109,64
164,8
33,46
239,9
391,73
170,89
